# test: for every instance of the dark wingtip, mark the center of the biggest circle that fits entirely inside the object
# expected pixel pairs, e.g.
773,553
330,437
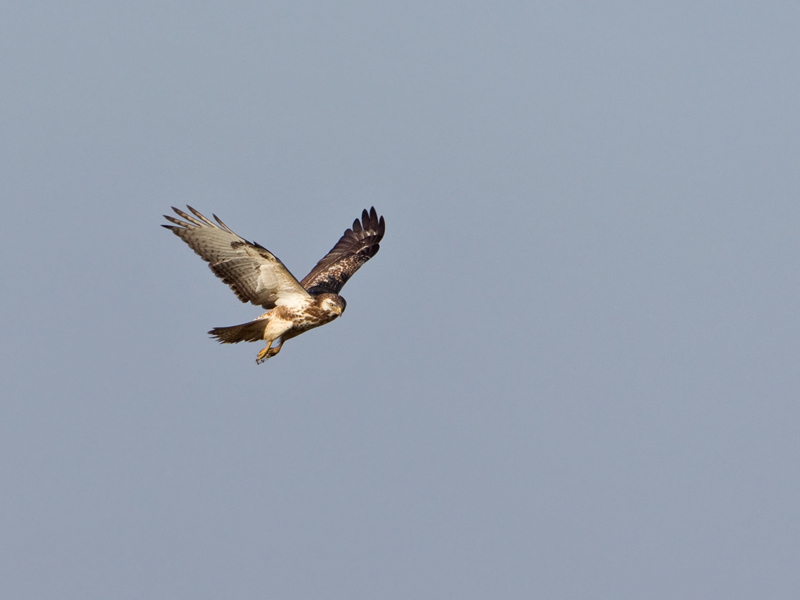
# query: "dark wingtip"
373,222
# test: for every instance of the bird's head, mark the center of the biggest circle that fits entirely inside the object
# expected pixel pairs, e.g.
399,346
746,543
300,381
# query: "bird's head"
332,304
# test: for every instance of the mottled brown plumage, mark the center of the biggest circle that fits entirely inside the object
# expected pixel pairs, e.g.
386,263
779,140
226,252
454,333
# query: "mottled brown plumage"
258,276
353,249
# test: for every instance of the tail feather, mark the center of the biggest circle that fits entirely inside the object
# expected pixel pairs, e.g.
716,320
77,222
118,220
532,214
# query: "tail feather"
246,332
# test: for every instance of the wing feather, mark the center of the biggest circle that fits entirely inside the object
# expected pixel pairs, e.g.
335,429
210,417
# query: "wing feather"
252,272
353,249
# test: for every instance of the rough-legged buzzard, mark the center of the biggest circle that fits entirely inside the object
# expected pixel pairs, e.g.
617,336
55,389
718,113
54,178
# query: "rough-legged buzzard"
258,276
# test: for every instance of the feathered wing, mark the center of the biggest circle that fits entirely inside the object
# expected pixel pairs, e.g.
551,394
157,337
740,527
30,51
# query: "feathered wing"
353,249
252,272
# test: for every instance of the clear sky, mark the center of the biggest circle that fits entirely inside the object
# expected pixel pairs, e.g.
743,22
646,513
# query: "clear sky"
570,372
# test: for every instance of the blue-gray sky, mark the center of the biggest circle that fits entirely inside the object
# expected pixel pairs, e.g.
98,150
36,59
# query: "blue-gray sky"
570,372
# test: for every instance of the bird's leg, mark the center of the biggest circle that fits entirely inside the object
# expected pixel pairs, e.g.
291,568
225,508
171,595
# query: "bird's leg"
269,352
264,354
276,349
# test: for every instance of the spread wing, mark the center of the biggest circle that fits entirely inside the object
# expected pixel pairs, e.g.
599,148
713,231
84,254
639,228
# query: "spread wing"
252,272
353,249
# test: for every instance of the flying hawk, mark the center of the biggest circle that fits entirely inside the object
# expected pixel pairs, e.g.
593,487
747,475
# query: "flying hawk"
258,276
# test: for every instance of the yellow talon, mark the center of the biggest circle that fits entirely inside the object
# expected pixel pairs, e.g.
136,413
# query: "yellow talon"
268,352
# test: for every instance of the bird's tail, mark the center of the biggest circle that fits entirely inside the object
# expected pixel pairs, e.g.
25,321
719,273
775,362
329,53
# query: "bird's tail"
246,332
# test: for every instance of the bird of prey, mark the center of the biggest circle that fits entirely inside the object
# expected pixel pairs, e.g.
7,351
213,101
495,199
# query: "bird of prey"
258,276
